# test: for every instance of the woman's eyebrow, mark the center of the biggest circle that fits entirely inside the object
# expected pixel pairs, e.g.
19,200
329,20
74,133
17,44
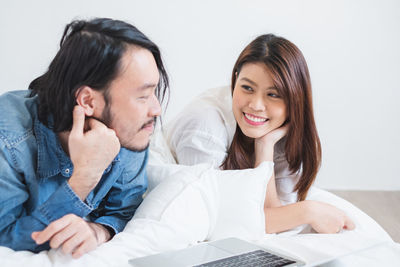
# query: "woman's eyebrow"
249,81
256,85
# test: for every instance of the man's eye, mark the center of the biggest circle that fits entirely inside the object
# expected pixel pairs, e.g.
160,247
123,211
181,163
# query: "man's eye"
144,97
247,88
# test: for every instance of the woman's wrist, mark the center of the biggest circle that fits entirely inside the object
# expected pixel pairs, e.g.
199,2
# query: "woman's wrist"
309,211
266,154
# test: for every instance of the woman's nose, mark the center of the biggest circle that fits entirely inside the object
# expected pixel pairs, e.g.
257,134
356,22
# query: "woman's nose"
257,104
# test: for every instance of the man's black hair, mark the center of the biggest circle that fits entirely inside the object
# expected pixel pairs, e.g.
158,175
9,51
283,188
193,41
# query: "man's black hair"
90,55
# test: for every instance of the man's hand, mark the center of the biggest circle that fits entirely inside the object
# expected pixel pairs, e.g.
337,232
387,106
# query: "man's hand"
91,152
73,234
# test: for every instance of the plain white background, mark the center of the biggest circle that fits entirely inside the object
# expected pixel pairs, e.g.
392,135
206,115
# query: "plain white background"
352,49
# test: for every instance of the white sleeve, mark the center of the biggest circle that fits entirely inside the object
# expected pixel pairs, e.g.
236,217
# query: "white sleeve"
200,136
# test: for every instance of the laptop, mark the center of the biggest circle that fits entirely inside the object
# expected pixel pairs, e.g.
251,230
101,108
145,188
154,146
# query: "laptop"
227,252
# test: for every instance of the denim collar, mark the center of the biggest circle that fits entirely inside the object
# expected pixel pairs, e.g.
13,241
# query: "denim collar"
52,159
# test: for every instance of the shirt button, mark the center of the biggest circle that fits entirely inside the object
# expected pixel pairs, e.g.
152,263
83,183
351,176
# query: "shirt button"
66,171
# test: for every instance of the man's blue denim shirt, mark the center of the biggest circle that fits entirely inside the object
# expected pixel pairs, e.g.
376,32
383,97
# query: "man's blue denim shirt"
34,171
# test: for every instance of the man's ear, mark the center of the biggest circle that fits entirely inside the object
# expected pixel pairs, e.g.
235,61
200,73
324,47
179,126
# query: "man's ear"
86,98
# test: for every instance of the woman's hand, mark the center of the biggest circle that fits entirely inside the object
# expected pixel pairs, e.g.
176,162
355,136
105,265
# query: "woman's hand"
264,146
273,136
324,218
327,219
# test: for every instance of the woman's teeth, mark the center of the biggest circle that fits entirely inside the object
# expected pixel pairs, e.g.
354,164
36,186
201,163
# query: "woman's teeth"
255,119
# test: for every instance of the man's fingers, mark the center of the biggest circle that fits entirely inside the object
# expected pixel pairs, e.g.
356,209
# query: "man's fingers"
95,124
71,244
78,120
51,230
34,235
83,248
59,238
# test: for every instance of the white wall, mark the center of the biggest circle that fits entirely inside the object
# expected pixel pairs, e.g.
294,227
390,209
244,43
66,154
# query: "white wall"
352,48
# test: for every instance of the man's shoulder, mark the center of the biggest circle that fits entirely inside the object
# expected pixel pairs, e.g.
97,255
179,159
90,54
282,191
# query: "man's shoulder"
17,113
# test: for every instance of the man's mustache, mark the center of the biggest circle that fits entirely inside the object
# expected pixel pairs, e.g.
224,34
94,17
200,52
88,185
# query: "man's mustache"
152,121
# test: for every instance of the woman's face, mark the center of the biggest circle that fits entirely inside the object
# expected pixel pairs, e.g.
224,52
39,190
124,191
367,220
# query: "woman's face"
257,105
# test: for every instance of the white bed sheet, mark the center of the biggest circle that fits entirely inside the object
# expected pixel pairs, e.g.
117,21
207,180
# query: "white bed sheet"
145,235
157,237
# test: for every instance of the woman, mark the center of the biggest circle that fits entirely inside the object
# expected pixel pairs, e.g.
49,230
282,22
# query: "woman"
273,114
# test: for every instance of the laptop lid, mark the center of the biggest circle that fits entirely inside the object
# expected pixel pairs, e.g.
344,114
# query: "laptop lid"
204,253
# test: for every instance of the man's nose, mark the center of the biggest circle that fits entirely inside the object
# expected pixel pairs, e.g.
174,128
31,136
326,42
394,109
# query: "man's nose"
155,107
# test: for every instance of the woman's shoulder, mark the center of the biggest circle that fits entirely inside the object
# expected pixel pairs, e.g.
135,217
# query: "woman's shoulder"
208,114
214,103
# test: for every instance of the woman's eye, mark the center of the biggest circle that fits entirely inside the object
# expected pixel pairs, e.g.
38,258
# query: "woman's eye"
247,88
144,97
273,95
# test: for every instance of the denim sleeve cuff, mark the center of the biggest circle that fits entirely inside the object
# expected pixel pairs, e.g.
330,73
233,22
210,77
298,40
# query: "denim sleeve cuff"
62,202
114,223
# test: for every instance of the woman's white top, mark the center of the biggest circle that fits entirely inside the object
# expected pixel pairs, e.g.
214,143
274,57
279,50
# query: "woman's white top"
203,132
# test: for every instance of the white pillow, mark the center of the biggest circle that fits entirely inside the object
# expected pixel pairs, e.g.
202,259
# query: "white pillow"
241,205
233,200
177,212
161,164
157,173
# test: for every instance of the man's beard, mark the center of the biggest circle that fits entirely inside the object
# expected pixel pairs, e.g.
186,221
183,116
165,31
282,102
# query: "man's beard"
107,118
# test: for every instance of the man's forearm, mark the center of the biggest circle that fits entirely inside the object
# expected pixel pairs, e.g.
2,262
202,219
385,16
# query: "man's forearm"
16,234
81,185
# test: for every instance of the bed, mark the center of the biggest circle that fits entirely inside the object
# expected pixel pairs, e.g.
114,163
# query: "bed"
186,205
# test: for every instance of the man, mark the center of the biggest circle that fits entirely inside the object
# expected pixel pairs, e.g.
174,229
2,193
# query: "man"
73,150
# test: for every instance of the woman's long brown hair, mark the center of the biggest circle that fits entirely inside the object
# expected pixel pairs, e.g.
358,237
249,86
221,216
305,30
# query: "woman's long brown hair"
291,77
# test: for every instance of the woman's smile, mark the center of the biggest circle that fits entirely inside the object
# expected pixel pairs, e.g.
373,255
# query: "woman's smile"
254,120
